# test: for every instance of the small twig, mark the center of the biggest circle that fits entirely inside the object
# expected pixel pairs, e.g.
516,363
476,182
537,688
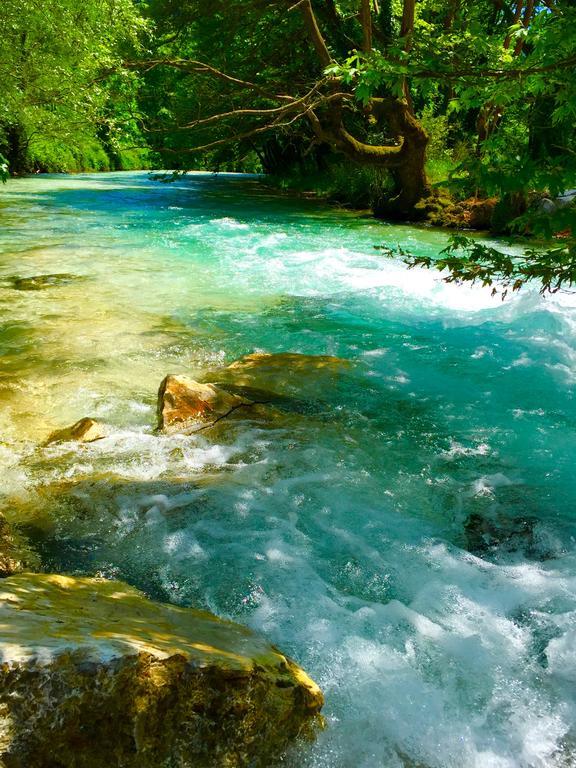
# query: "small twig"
223,416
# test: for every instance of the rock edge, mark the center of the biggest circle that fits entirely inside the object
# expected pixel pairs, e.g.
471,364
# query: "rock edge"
95,674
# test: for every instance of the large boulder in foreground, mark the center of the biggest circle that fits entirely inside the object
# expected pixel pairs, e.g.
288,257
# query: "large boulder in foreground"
95,675
186,405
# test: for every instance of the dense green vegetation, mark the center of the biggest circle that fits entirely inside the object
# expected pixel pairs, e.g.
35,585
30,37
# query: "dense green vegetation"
415,109
65,96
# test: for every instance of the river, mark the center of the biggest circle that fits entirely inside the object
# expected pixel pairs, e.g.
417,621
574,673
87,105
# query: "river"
408,536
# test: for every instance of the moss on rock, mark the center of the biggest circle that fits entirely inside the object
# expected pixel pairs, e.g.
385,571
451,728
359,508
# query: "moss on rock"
94,674
473,213
15,553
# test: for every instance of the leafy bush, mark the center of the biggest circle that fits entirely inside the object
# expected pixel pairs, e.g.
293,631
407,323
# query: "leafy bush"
52,156
344,183
136,160
3,169
440,159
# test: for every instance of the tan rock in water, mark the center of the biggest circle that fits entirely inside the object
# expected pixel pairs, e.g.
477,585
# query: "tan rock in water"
84,431
257,385
185,405
95,675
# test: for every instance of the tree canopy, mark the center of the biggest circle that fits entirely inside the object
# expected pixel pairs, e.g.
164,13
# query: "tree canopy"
358,77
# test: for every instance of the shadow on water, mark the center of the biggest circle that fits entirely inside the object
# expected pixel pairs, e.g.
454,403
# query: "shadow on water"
206,196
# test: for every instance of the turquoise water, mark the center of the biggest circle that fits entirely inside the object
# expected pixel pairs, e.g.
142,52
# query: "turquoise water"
408,536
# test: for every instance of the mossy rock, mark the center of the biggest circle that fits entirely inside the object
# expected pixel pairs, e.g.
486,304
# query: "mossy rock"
473,213
41,282
15,553
96,675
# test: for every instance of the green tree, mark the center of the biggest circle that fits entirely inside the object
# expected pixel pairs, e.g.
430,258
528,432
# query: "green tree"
523,94
355,76
53,60
252,72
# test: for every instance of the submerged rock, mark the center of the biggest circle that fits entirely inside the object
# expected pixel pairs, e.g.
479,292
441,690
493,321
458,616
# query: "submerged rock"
40,282
549,206
84,431
185,405
286,373
96,675
15,553
490,533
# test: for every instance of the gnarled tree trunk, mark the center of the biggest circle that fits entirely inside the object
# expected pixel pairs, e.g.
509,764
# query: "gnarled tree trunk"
407,156
15,149
411,184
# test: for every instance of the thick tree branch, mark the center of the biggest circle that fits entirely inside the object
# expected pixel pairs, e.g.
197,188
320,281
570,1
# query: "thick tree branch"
314,33
526,20
395,113
294,104
406,33
407,26
497,74
366,21
431,74
515,20
302,110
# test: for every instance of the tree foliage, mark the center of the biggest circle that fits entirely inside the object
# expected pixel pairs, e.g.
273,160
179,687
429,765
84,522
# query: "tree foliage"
470,260
355,77
54,60
256,74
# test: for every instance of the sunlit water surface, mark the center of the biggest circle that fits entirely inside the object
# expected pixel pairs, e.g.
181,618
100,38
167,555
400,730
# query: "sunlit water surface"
408,537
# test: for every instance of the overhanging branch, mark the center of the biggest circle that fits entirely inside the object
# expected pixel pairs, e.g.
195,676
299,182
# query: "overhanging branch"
201,67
